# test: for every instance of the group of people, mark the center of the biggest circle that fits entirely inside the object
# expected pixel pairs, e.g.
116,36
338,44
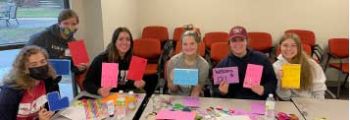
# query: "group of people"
31,77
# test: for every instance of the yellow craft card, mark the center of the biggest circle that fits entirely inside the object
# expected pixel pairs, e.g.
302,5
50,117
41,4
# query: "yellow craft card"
291,76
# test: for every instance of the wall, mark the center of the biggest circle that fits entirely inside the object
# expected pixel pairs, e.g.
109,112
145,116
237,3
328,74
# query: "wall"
117,13
327,18
90,26
98,20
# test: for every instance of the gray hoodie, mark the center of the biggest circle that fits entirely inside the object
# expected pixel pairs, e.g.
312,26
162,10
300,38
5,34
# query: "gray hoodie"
51,40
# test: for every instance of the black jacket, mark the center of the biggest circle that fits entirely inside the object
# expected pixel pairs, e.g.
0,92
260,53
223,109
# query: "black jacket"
92,80
10,98
268,79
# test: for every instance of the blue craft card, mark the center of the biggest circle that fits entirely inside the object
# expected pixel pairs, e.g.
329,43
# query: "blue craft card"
61,66
55,101
185,76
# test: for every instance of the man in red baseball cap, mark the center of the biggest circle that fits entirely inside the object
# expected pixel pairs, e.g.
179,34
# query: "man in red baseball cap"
240,57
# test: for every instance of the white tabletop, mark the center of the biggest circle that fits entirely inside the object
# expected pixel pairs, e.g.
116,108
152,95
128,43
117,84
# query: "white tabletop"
331,109
129,116
286,107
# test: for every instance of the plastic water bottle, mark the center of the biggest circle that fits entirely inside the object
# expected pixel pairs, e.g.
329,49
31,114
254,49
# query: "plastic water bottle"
110,108
131,100
120,106
270,108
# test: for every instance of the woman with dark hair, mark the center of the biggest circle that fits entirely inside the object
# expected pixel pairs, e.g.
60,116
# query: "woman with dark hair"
312,77
23,94
240,56
119,50
55,38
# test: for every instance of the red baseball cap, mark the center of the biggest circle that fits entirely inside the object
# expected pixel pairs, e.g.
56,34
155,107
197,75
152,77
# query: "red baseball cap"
238,32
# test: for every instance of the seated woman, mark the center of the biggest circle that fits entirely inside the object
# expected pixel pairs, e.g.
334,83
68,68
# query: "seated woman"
312,78
119,50
188,58
23,94
240,56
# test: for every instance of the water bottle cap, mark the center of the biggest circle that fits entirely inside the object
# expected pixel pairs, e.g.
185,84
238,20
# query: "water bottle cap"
131,92
270,95
110,102
121,91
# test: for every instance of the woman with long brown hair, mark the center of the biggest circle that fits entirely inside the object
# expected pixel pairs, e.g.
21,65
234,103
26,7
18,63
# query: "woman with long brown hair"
312,77
23,94
119,50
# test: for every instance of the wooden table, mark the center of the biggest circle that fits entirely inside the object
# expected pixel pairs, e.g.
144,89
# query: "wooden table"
129,116
331,109
286,107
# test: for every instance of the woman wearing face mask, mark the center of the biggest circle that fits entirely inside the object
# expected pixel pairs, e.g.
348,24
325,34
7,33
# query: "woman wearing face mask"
312,82
189,58
56,37
23,93
119,50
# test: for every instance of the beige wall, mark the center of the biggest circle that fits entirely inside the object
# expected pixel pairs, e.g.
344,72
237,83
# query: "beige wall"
116,13
90,26
327,18
98,20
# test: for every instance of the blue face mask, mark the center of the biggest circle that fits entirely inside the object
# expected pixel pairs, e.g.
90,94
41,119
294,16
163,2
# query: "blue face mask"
68,32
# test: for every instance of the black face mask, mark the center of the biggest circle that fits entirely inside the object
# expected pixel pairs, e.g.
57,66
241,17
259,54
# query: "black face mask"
39,73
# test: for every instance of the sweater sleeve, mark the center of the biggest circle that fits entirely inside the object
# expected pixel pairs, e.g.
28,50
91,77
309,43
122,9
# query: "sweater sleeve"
203,72
92,80
9,101
319,78
170,67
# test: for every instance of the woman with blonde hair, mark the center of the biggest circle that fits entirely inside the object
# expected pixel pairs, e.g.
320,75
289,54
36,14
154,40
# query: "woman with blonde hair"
312,78
23,94
188,58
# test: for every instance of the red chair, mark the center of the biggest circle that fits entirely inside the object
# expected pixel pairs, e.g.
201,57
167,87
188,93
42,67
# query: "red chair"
339,49
79,79
142,49
79,82
308,37
178,33
156,32
260,41
165,77
219,51
214,37
201,48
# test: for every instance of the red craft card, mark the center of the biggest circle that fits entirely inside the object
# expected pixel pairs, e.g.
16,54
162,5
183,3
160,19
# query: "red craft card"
137,68
78,52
